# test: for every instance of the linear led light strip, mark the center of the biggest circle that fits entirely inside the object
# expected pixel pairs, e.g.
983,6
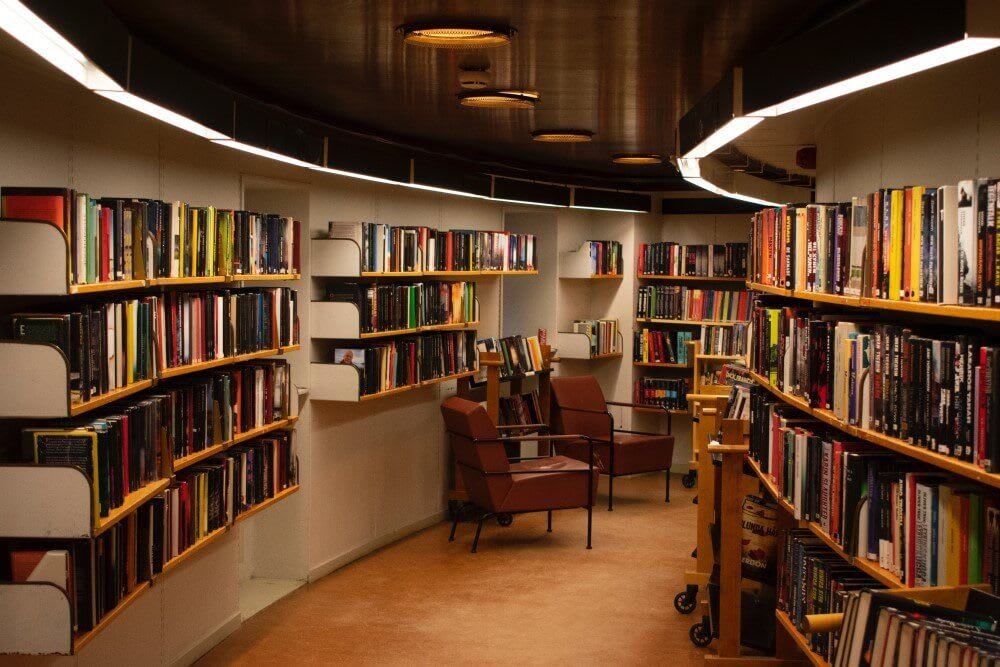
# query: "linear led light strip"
690,169
26,27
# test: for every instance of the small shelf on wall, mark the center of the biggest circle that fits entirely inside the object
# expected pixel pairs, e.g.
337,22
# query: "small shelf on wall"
342,383
577,265
576,346
342,320
35,619
687,323
660,364
738,280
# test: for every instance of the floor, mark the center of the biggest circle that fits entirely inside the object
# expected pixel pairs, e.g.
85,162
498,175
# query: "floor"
527,597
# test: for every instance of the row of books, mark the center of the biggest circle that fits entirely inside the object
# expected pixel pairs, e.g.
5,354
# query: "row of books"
884,629
385,248
521,409
519,355
937,391
394,307
912,520
108,345
717,260
410,360
652,346
602,334
141,239
114,344
97,575
813,579
667,393
606,258
924,244
725,340
676,302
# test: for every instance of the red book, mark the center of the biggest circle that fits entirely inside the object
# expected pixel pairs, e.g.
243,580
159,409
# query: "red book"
911,529
48,204
104,264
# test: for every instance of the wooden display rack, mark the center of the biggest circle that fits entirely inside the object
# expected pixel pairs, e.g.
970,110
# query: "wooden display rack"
490,394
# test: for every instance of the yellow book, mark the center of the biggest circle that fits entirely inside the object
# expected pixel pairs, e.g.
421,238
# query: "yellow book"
130,327
895,244
916,218
210,229
182,217
195,214
645,345
954,539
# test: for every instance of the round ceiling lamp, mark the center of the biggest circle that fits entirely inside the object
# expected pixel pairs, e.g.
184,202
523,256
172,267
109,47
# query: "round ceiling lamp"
637,158
562,136
448,35
474,78
498,99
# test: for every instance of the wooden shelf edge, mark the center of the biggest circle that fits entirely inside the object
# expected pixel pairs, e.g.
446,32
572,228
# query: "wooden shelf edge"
261,277
707,279
190,280
961,468
197,457
801,642
132,502
215,363
690,323
260,507
656,364
191,551
110,397
82,640
191,459
109,286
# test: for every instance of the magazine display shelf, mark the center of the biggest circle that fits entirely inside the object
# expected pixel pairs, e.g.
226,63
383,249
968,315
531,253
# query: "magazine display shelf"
342,383
576,265
342,320
35,382
341,258
576,346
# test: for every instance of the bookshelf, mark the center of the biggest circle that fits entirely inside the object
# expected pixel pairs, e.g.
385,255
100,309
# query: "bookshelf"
577,265
208,452
719,280
342,320
342,383
576,346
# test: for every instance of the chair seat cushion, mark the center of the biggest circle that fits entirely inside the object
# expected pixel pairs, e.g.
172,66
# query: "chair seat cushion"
633,453
562,485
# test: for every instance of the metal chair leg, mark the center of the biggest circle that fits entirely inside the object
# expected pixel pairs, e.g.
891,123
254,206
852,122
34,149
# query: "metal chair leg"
611,493
550,522
479,529
668,485
590,516
458,517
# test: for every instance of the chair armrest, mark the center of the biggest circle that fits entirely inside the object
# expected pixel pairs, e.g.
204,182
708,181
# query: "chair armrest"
511,427
623,404
551,438
625,430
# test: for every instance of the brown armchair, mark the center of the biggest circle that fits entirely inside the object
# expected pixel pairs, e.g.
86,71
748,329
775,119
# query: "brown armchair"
502,487
578,406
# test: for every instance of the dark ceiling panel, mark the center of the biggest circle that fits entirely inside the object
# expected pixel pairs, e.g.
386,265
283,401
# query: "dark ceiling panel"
624,69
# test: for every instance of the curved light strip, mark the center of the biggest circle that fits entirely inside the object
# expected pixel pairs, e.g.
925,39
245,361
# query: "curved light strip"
690,169
529,203
613,210
161,113
723,136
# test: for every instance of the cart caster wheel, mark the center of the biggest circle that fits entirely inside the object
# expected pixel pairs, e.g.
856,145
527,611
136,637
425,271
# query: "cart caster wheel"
505,519
699,635
689,479
683,603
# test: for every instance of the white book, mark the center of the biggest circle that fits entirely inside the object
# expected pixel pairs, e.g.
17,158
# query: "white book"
79,274
109,326
801,247
859,243
966,224
800,472
864,379
119,344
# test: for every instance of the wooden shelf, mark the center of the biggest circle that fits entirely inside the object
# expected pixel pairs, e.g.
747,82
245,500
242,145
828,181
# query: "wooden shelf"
609,355
453,274
456,326
260,507
391,274
386,334
132,502
82,640
689,323
289,348
977,313
800,640
686,279
532,272
109,286
190,552
208,452
214,363
656,364
658,411
446,378
594,276
190,280
261,277
110,397
387,393
721,357
961,468
772,490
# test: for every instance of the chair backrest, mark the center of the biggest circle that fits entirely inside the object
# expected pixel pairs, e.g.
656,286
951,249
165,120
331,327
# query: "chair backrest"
466,421
580,392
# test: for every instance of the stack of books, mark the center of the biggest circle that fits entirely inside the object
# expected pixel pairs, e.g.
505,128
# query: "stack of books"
606,258
389,249
603,335
668,393
916,522
920,243
935,390
520,356
675,302
666,258
396,307
660,347
115,239
410,360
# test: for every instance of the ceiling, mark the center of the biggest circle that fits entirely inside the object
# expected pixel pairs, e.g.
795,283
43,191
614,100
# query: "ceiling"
625,70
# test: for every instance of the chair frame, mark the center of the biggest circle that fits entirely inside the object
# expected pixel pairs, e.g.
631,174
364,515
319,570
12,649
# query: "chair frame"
611,443
519,439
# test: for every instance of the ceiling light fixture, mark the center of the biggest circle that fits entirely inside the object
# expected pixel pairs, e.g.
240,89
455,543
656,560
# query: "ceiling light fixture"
562,136
637,158
446,35
499,99
474,78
